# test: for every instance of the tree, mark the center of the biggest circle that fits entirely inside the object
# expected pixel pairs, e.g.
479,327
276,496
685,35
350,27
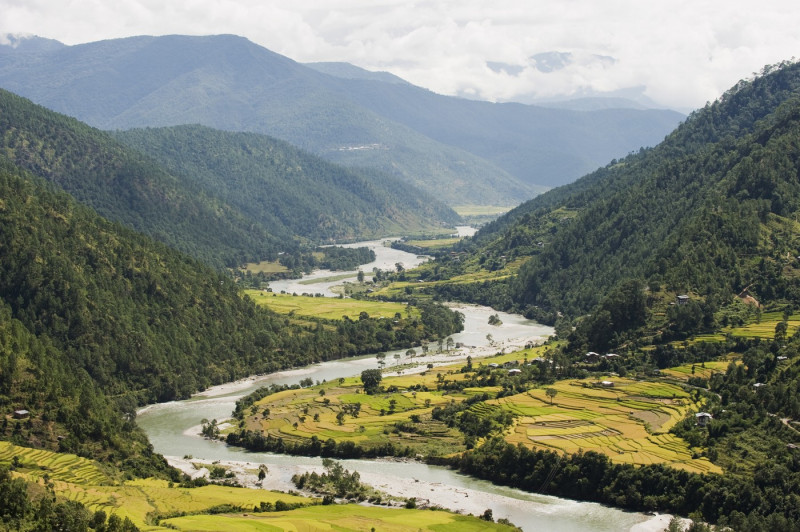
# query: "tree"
360,276
411,353
371,378
551,393
450,343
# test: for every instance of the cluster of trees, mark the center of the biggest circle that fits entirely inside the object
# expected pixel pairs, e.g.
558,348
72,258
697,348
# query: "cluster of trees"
256,441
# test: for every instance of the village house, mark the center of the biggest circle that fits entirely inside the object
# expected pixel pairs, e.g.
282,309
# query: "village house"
703,418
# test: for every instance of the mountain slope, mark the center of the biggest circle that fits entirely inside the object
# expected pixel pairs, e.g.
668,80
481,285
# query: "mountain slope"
709,211
220,224
459,150
279,186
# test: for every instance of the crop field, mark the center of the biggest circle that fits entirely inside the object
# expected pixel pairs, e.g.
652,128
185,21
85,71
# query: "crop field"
57,466
348,517
398,288
297,415
85,481
628,422
327,307
764,328
704,370
434,243
265,267
481,210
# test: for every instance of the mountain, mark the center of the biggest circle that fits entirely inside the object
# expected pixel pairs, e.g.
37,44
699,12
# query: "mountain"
710,211
98,320
343,70
203,213
459,150
279,186
11,43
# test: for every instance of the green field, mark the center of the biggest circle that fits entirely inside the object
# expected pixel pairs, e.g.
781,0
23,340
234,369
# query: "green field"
348,517
265,267
398,289
327,307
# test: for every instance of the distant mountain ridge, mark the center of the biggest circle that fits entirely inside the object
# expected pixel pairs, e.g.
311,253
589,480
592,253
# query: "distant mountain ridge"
189,208
461,151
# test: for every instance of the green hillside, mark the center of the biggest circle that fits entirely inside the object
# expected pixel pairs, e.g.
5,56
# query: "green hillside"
224,198
709,211
286,190
125,186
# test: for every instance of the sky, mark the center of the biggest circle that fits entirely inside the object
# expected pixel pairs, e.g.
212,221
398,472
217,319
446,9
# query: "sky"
677,53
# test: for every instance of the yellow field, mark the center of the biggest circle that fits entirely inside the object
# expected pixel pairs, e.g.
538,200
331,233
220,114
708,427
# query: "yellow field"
481,210
704,371
144,501
628,422
327,307
84,481
435,243
348,517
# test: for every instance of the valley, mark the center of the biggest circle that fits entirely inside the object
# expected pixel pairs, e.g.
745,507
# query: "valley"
187,301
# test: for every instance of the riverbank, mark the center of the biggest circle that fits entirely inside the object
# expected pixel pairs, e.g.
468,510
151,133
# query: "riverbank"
458,499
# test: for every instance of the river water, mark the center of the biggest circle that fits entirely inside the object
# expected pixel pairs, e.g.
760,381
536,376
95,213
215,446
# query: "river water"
173,429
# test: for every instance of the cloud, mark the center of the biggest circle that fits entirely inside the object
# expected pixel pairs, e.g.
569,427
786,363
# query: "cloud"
682,52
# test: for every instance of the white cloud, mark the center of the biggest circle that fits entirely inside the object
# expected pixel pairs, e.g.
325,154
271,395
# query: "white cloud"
683,52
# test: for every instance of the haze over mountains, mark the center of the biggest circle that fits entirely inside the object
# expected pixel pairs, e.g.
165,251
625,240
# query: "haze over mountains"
460,150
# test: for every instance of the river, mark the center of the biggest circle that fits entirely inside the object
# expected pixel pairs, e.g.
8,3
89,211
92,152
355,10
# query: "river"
173,429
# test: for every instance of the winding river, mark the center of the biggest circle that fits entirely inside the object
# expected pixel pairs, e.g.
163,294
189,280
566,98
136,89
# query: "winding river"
173,429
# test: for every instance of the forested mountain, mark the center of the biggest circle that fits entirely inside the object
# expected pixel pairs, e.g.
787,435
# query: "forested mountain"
225,199
711,210
460,150
286,190
98,319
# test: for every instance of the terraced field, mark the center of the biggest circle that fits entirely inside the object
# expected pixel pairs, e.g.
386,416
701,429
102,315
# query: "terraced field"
627,421
297,415
145,501
704,370
140,500
36,463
